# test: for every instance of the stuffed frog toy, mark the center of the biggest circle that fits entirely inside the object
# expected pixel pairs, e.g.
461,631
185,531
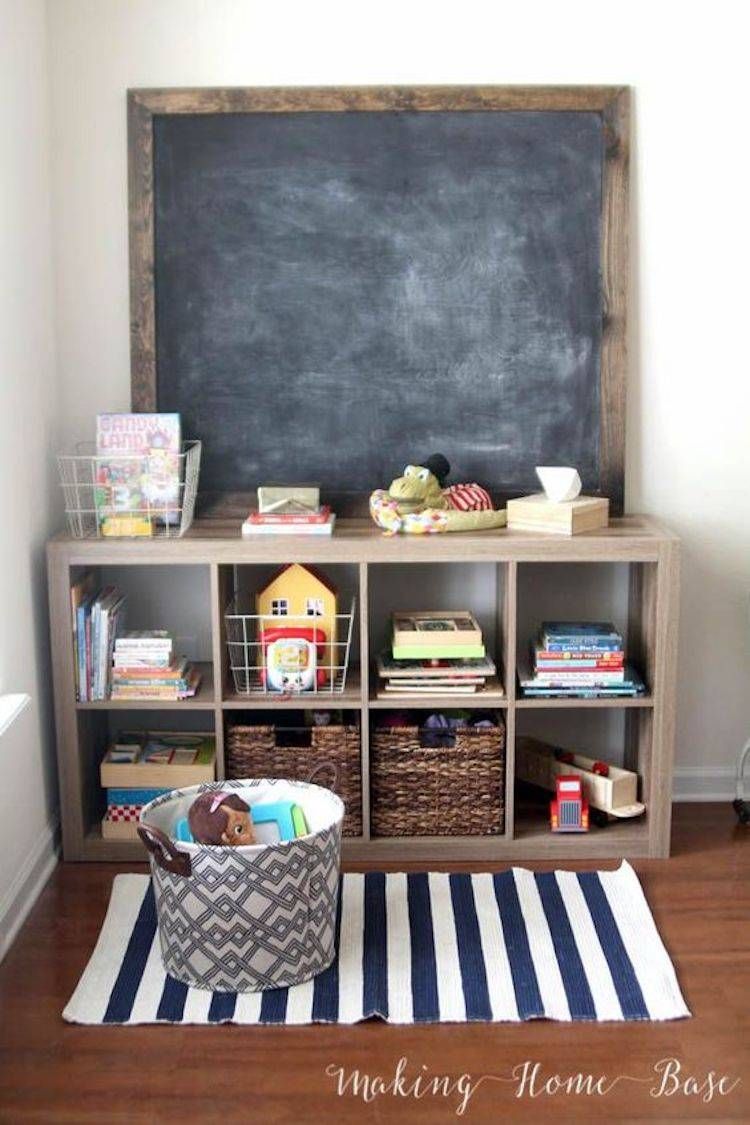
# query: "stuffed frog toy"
419,503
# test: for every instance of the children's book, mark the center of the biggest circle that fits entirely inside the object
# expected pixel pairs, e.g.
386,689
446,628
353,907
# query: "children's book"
449,668
138,465
579,636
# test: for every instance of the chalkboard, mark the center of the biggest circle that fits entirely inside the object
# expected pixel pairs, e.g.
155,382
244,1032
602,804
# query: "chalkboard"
340,293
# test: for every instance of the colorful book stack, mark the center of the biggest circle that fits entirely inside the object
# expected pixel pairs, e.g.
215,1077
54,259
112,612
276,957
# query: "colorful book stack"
435,653
145,667
581,659
289,510
140,766
97,617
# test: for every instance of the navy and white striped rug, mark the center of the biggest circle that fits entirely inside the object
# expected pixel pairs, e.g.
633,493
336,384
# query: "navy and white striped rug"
418,948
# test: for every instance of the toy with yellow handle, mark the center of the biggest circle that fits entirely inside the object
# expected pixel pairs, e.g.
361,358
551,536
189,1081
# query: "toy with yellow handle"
418,503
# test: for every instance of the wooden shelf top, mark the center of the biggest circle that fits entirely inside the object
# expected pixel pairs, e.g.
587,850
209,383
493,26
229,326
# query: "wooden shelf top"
632,538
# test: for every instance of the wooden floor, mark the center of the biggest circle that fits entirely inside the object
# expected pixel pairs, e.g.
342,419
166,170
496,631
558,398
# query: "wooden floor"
50,1071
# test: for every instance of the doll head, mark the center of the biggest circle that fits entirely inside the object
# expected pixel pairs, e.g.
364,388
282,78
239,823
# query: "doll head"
221,818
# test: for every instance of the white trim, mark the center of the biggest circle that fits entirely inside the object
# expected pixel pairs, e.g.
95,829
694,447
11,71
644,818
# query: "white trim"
28,885
11,707
704,783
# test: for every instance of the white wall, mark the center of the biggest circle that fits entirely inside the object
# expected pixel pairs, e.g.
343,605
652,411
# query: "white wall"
29,413
688,454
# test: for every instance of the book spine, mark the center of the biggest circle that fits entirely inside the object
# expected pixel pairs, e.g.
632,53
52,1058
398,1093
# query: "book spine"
581,693
128,660
103,652
576,644
81,652
268,518
146,675
547,665
152,691
137,683
580,679
95,619
143,647
128,796
89,678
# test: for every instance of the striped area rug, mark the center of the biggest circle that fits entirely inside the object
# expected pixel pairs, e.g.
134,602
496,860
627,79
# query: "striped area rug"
418,948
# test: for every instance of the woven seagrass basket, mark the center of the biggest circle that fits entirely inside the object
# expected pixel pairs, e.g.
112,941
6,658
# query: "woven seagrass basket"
418,790
332,760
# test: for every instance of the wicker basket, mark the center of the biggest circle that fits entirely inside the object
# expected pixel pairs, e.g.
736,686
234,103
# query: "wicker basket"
453,790
332,760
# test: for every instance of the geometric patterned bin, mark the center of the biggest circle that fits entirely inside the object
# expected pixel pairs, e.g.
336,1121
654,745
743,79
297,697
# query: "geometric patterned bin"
244,919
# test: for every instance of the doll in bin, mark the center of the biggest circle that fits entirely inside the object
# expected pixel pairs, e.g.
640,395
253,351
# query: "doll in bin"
218,817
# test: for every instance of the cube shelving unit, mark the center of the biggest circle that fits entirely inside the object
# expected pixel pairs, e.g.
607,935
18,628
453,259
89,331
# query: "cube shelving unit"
358,549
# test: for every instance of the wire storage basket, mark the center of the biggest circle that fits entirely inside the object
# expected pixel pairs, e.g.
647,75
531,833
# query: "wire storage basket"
287,655
126,495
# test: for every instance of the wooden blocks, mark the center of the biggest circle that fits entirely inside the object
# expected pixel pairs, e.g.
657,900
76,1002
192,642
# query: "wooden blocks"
569,517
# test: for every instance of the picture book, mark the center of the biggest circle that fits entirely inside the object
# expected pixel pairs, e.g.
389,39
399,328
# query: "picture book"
437,651
587,685
579,637
454,668
430,627
295,526
138,465
98,619
81,595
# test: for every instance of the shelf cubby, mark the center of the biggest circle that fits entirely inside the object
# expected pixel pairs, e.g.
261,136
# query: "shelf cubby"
510,580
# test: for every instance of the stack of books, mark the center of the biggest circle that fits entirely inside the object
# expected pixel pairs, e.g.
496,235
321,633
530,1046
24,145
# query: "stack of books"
581,659
145,667
97,617
289,510
435,653
140,766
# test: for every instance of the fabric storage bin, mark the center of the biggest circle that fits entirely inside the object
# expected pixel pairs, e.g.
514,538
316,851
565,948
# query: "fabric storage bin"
448,790
332,758
245,919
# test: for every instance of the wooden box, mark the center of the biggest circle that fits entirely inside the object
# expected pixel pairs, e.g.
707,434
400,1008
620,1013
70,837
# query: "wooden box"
569,517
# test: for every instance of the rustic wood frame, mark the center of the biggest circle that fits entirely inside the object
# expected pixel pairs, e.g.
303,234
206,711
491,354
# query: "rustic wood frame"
611,102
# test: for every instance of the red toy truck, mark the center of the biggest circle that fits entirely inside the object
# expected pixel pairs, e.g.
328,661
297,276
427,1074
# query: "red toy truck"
569,810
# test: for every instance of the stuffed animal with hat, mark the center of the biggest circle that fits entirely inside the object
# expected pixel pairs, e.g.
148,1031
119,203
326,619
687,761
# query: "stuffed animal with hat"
421,503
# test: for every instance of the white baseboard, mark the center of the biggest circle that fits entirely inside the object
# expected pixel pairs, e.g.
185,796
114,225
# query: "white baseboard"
28,885
704,783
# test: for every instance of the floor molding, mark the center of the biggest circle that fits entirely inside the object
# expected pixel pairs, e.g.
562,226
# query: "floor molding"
704,783
28,885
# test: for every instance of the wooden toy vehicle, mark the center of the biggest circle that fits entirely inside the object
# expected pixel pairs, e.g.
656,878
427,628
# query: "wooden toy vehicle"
610,790
569,809
291,655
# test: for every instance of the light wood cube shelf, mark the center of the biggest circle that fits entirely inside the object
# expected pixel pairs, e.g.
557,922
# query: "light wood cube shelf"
652,557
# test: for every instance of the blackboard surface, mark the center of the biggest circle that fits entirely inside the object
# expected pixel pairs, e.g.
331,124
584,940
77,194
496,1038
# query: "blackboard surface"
340,293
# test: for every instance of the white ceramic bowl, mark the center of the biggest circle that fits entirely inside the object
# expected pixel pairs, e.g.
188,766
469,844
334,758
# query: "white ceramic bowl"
559,482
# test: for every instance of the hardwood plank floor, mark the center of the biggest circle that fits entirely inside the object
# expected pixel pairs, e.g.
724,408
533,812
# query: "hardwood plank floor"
51,1071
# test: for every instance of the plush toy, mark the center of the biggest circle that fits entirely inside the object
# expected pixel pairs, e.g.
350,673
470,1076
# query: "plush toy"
419,503
216,817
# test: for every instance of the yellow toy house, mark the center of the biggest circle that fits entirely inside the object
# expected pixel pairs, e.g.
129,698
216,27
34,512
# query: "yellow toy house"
303,595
